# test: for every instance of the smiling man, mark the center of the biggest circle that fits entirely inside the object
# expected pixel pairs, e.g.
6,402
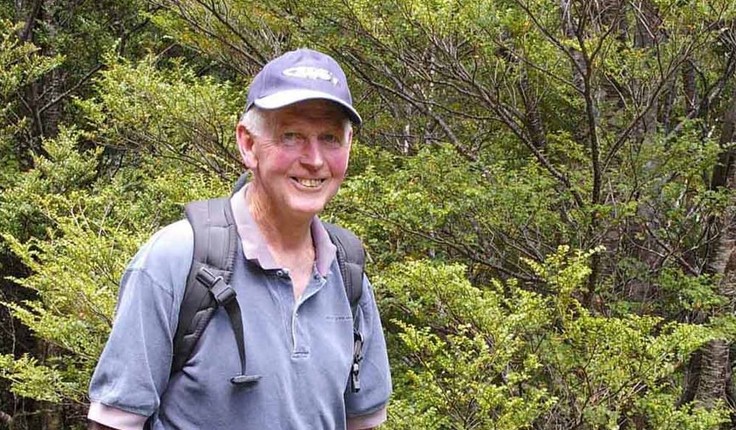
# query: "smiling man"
316,355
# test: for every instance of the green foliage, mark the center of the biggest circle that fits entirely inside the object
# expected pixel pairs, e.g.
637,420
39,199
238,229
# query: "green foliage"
37,381
467,358
19,65
504,357
168,113
689,293
92,227
438,203
658,407
65,171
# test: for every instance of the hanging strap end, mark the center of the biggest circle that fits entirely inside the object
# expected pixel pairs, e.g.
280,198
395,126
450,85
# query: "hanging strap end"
245,379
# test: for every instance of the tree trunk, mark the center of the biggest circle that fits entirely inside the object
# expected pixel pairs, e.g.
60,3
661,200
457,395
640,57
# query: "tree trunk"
713,371
51,118
713,376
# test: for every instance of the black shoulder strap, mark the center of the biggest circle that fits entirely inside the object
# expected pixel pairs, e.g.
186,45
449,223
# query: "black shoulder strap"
208,283
351,259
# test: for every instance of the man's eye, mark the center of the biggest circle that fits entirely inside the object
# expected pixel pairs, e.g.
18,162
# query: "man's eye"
330,139
290,138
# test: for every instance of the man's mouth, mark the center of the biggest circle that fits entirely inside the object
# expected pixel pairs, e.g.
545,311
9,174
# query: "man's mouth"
310,183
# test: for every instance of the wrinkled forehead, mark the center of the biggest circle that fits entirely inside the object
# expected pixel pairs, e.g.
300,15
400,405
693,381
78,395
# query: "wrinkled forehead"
311,111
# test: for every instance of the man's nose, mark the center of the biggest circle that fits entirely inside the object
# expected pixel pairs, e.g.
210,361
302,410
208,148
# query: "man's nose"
312,154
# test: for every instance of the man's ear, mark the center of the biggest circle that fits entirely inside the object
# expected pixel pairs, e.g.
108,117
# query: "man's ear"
245,145
350,136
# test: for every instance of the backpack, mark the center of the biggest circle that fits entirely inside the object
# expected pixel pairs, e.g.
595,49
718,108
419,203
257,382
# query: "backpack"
207,289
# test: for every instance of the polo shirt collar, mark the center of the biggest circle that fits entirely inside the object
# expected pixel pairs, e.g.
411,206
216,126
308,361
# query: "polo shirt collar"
254,244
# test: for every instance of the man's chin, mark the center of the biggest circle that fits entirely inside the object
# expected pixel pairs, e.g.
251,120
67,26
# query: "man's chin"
306,209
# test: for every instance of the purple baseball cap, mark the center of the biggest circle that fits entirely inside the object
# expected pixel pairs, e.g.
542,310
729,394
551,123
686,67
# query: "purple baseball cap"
301,75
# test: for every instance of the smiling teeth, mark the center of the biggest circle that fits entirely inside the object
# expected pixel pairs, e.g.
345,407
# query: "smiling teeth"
312,183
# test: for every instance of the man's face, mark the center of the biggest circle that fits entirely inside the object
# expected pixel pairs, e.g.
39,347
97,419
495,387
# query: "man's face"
299,161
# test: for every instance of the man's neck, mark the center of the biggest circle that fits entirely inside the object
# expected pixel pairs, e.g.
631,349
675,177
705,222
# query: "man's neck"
281,235
290,243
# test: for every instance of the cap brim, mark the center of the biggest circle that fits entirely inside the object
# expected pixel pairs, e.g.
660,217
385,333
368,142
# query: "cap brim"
286,98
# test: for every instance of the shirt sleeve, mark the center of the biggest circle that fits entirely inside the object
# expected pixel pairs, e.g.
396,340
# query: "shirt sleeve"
375,374
115,418
134,367
367,421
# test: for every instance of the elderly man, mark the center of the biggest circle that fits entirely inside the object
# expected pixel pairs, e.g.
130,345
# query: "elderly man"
295,137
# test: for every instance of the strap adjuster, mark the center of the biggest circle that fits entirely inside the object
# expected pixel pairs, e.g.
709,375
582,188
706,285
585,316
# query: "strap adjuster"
220,290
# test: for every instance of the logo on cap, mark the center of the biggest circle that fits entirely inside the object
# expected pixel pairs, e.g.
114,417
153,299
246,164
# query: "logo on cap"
307,72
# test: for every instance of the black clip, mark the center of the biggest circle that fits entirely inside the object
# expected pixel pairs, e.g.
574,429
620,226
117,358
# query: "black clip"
357,358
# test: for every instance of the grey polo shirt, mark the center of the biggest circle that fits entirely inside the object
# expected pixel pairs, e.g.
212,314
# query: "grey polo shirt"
302,349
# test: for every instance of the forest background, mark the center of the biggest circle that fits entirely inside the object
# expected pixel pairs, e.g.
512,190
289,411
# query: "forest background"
545,188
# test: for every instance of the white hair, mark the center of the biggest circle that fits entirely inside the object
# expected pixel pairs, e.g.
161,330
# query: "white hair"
255,121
